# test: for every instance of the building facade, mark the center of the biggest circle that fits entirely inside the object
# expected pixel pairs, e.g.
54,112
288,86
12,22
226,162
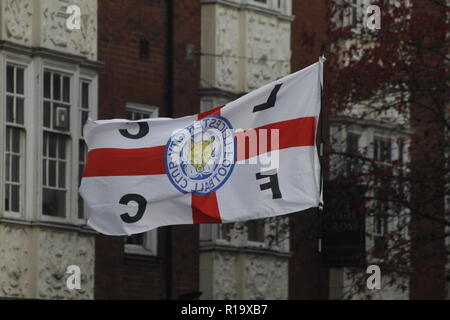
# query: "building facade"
245,44
48,87
134,45
140,59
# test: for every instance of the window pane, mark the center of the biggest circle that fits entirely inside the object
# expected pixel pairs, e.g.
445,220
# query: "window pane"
15,168
19,81
15,134
352,143
82,151
223,231
15,198
54,202
387,151
44,172
47,84
80,173
128,115
136,239
52,173
376,152
52,145
61,147
62,175
7,197
80,207
61,203
255,230
7,167
45,146
9,109
19,110
8,137
400,152
10,79
84,117
56,86
85,95
47,114
66,89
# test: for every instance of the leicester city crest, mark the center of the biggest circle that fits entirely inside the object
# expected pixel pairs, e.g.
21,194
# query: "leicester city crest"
200,158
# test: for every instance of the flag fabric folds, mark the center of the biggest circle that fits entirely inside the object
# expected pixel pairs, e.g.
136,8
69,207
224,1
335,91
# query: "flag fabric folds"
252,158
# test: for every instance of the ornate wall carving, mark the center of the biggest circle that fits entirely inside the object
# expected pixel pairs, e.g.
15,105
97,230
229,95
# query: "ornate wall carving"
227,48
268,43
55,34
18,20
251,48
56,251
225,282
85,40
244,275
38,259
14,261
49,18
266,277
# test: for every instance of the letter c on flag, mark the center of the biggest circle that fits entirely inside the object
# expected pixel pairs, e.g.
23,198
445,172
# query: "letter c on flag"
142,204
143,130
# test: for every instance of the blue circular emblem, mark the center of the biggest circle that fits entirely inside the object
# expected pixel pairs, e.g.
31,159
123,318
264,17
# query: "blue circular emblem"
200,158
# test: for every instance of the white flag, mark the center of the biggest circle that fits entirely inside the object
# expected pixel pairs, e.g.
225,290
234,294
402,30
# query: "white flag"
252,158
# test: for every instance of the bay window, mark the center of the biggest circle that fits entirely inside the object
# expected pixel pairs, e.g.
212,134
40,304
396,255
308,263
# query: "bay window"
56,142
43,106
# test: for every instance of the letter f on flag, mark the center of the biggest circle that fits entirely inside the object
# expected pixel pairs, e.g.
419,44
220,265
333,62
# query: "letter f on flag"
211,167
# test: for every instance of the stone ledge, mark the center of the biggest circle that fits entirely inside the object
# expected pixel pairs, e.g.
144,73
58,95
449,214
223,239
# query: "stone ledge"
385,125
84,229
210,246
251,7
49,53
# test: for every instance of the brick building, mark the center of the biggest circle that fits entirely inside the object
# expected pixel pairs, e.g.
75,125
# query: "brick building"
138,59
134,42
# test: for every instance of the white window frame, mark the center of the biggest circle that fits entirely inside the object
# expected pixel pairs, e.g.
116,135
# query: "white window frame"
90,78
220,234
76,75
271,229
150,242
17,62
258,244
385,222
31,198
265,4
153,111
69,71
284,8
210,233
148,248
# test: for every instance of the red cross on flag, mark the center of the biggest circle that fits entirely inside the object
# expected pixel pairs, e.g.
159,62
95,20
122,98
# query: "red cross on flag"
252,158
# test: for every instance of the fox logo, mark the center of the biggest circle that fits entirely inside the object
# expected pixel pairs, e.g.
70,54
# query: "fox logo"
201,160
201,153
